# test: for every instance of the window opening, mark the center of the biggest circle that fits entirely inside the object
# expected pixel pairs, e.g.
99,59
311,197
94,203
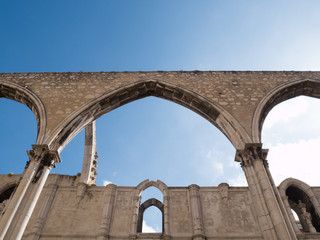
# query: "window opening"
297,221
151,192
149,221
303,207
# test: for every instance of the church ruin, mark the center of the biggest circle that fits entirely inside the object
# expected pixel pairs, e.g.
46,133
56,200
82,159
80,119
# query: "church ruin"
36,205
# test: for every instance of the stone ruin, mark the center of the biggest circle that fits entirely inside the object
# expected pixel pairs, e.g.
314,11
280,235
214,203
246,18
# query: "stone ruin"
36,205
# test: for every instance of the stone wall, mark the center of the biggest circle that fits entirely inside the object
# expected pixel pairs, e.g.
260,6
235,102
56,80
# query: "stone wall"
227,215
71,207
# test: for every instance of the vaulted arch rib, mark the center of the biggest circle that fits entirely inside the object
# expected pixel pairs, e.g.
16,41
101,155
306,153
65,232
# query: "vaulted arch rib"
134,91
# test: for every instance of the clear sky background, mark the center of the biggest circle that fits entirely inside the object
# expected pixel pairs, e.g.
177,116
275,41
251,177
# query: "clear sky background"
141,139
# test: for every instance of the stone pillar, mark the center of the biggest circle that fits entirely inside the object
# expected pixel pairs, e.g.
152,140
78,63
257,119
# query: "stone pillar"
282,206
254,164
166,216
44,210
104,226
20,208
135,212
89,164
198,231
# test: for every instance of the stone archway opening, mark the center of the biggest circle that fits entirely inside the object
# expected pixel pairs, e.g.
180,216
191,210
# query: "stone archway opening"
291,132
157,139
18,132
306,87
215,114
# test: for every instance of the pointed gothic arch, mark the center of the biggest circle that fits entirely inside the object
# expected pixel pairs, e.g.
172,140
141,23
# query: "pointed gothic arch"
307,87
214,113
157,184
144,206
23,95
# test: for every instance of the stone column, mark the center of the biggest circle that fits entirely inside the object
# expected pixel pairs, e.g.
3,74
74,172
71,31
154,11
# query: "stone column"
198,231
254,164
89,164
18,213
282,206
44,210
104,226
166,216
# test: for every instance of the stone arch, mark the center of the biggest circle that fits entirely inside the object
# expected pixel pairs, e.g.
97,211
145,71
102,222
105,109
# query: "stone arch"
148,203
307,87
158,184
214,113
23,95
308,200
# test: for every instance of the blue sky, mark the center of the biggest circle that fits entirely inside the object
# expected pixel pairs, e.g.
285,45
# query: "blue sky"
145,136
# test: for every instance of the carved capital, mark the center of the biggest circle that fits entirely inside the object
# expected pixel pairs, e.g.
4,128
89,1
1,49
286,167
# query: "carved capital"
251,153
43,155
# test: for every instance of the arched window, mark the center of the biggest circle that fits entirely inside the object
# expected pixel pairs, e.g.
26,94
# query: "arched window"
152,213
150,202
301,204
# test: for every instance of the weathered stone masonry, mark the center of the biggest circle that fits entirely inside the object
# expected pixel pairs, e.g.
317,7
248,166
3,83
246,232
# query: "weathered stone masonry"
65,207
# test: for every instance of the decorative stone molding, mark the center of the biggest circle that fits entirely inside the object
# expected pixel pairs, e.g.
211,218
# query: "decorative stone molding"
251,153
44,157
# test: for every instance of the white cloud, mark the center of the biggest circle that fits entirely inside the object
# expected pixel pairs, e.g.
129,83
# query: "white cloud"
106,182
298,160
240,180
218,167
292,134
214,163
286,111
146,228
